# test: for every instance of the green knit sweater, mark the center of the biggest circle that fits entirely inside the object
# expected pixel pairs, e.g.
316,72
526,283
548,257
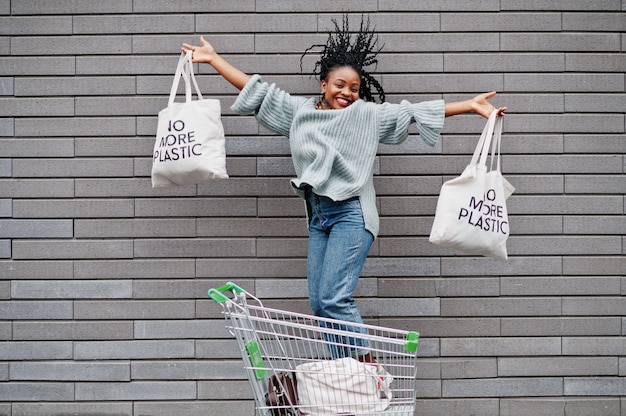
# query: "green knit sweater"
333,151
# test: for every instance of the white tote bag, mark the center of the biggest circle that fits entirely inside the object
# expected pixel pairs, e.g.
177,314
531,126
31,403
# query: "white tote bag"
471,214
189,146
342,386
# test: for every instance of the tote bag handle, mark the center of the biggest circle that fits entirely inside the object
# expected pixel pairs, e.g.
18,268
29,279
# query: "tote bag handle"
184,69
482,148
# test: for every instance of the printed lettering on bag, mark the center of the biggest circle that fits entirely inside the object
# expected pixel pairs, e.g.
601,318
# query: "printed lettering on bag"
485,214
177,144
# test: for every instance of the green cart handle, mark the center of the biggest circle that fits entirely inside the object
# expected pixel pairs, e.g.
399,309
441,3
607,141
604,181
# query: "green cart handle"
218,296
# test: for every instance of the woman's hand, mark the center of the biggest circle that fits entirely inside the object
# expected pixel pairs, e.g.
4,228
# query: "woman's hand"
481,105
203,54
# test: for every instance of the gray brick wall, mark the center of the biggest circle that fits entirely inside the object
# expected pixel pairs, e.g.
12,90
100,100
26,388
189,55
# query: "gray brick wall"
103,280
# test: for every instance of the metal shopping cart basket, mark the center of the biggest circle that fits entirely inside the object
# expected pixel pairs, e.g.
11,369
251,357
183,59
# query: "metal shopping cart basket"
303,365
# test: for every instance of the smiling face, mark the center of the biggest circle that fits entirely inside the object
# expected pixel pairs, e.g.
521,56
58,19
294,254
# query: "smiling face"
341,87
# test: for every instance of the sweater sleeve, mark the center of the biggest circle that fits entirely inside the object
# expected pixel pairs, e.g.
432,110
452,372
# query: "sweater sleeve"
396,118
273,107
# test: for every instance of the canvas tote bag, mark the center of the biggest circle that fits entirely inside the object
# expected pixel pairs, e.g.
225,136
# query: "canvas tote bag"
189,146
342,386
471,214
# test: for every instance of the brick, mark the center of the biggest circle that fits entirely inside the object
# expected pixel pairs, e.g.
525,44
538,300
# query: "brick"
458,407
80,249
134,269
501,306
74,208
6,168
115,24
597,266
113,350
195,248
585,204
19,148
40,350
454,368
535,387
29,7
139,309
76,126
30,392
61,330
6,329
595,184
63,289
5,249
198,6
447,327
608,306
220,390
29,107
561,5
610,386
7,127
68,408
481,347
586,103
261,227
26,229
567,83
74,45
556,406
72,168
70,371
504,62
35,270
6,86
601,62
446,5
136,390
194,408
594,144
500,22
564,286
113,146
557,366
594,225
75,86
6,208
195,329
256,23
178,370
126,187
405,307
171,289
42,188
118,106
598,346
607,22
564,245
561,42
135,228
44,65
60,25
25,310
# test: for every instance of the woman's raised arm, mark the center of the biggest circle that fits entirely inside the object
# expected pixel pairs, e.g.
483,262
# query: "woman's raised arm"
207,54
479,105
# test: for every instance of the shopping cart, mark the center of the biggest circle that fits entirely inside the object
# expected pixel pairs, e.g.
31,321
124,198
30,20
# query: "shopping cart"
301,365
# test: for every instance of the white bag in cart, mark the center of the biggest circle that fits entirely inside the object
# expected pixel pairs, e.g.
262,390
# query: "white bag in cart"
190,145
471,214
342,386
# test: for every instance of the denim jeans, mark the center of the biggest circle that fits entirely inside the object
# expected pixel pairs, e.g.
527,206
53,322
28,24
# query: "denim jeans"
338,247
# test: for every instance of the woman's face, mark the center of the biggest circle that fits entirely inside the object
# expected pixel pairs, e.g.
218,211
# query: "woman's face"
341,87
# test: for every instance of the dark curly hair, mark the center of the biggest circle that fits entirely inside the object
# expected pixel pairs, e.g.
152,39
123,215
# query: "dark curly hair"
342,50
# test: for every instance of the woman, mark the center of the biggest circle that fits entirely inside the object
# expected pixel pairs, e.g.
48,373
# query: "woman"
333,141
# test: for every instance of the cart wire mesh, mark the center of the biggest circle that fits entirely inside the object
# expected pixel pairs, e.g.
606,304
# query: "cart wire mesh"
274,342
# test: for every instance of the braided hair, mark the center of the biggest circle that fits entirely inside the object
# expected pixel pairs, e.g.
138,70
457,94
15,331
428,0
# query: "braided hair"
342,50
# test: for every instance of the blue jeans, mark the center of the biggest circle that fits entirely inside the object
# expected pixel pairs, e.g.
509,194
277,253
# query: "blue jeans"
338,247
